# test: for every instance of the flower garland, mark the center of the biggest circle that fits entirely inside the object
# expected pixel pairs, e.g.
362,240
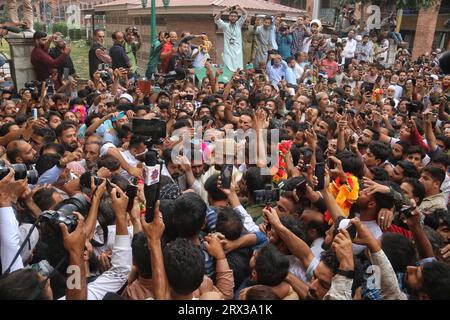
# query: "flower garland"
279,170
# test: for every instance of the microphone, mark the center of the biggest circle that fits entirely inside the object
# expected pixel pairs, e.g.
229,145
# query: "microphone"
12,29
151,188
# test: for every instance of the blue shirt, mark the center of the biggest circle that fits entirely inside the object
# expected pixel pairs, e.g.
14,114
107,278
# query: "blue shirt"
111,136
290,76
211,219
284,44
275,73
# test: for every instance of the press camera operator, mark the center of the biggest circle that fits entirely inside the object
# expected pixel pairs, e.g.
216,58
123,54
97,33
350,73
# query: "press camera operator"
181,62
56,51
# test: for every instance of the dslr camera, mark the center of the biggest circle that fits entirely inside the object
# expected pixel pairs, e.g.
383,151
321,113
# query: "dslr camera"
63,213
85,180
20,172
103,70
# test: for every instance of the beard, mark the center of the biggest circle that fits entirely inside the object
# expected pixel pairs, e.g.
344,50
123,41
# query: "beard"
70,147
362,145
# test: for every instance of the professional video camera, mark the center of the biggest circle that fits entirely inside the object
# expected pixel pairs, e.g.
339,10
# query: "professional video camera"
20,172
155,131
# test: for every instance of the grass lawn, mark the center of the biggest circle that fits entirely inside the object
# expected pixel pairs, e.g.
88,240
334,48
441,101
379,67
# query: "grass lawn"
79,56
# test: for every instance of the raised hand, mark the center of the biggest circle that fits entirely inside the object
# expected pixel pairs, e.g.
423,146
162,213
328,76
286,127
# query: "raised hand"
154,229
214,247
75,241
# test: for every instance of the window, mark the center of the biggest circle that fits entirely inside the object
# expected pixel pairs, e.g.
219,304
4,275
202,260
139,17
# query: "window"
327,4
298,4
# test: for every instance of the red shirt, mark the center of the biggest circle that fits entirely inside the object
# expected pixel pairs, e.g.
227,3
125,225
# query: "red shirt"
396,229
43,63
167,47
330,67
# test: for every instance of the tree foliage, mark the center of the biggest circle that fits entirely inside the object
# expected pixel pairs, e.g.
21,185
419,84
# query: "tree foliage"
400,4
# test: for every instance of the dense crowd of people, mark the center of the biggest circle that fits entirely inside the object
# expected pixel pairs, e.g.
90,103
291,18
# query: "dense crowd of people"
319,170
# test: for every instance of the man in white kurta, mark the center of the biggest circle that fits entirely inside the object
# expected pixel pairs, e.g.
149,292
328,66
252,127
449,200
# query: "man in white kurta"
232,47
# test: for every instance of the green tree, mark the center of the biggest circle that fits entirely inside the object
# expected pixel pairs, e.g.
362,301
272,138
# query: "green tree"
61,26
39,26
400,4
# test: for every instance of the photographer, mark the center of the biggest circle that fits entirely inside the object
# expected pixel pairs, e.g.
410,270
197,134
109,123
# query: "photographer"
181,62
132,45
284,40
114,278
41,59
56,51
10,190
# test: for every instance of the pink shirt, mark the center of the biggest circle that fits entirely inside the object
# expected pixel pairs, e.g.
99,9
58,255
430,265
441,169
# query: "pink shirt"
330,67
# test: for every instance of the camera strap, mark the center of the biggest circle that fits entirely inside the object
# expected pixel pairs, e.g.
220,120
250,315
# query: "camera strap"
24,243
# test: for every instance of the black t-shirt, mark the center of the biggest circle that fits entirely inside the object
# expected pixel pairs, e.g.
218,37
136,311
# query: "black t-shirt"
68,63
94,61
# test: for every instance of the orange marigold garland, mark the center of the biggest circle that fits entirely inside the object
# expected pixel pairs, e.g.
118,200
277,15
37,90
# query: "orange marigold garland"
279,171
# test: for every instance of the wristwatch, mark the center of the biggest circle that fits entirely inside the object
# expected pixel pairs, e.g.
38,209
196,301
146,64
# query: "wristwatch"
350,274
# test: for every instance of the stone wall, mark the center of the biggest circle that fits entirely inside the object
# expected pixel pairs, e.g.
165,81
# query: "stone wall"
22,70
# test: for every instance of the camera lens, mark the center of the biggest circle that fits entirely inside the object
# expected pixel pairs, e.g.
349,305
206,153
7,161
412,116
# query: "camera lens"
85,180
20,171
78,203
3,171
32,176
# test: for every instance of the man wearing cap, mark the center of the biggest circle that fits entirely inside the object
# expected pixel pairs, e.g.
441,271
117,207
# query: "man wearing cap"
126,98
111,135
41,60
